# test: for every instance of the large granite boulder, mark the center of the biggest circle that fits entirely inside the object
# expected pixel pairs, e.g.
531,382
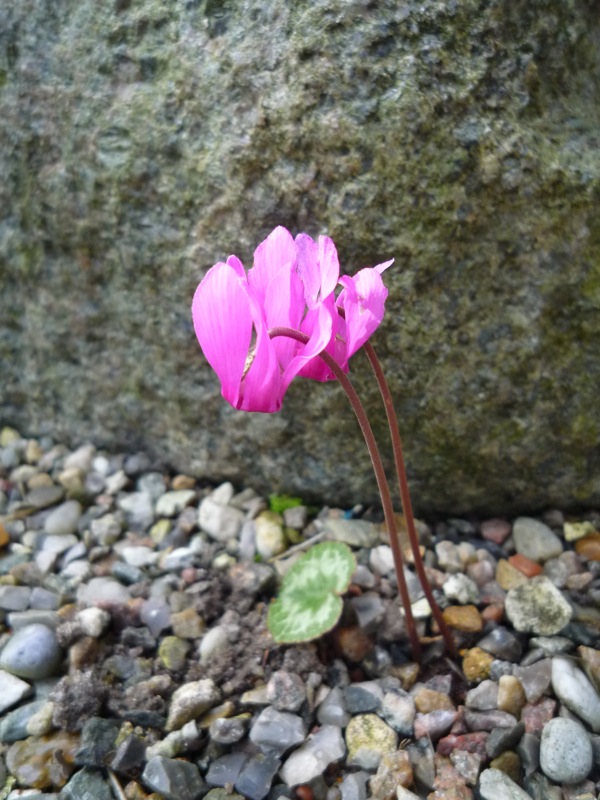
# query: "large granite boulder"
143,140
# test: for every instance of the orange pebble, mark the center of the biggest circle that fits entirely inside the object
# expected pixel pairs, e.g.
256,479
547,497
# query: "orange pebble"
525,565
304,792
589,546
493,613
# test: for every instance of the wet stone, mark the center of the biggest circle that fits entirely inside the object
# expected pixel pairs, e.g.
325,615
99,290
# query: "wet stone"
225,770
332,710
87,783
129,756
363,697
502,644
174,779
98,737
323,747
354,786
256,776
13,690
13,726
501,739
32,652
277,731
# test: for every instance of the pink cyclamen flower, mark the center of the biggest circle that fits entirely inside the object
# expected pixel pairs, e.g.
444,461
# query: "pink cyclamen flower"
291,284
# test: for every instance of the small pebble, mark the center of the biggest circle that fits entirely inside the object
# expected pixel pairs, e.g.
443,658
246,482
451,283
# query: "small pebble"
575,690
367,738
322,748
535,540
538,607
565,751
32,652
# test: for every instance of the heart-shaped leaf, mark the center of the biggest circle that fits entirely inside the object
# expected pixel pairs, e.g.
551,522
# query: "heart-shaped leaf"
309,602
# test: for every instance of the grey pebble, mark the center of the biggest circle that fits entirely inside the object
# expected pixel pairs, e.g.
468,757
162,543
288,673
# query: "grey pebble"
87,783
496,785
502,644
286,691
277,731
535,540
13,725
565,751
14,598
256,776
502,739
32,652
63,519
332,710
363,697
174,778
13,690
227,730
575,690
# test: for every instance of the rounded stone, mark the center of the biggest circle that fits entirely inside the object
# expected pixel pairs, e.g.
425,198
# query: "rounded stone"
538,607
565,751
535,540
32,653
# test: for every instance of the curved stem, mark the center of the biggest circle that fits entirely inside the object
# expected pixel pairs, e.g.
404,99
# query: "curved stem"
382,484
405,495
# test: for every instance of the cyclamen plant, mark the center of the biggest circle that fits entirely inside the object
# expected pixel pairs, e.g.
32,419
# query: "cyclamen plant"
281,319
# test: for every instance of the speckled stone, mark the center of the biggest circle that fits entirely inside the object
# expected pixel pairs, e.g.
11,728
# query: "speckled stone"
495,785
565,751
33,760
368,738
32,652
466,619
538,607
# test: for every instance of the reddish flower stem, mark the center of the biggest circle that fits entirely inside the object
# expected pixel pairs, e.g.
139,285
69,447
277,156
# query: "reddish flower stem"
405,495
384,489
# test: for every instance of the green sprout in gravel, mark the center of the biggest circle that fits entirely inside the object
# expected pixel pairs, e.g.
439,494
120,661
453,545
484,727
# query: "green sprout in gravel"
287,317
309,602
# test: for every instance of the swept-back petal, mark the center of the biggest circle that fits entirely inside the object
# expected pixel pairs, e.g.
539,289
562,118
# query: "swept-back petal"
277,250
329,265
363,300
223,325
308,268
284,307
316,369
261,384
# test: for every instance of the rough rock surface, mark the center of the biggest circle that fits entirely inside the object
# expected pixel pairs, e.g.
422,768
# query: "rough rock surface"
143,140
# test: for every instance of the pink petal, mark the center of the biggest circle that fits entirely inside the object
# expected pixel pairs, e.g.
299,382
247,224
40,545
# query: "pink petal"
277,250
223,325
284,307
316,369
319,339
363,301
308,268
329,266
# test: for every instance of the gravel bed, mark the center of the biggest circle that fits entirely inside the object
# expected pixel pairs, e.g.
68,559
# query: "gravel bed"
135,661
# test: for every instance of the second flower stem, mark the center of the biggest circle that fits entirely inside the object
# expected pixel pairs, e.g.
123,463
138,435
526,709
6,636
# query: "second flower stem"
382,484
405,495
